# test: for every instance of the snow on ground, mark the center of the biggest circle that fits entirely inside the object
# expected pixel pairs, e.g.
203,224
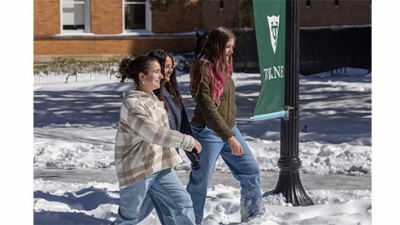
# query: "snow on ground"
75,126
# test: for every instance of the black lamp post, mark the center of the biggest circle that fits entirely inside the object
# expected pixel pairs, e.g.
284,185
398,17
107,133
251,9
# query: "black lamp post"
289,183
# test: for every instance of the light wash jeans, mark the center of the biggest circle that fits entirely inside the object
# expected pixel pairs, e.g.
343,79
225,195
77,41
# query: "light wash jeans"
244,168
163,191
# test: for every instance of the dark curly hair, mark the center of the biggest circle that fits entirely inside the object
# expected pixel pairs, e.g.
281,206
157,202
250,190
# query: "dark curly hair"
172,85
131,68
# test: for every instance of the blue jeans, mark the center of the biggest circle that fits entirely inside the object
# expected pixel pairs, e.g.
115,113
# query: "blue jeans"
244,168
162,190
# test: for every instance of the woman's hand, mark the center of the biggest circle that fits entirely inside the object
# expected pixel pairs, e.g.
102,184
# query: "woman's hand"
197,146
236,147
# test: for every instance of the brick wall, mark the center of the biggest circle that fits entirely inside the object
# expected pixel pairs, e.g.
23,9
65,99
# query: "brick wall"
106,24
106,16
325,13
214,17
320,13
98,48
46,17
176,20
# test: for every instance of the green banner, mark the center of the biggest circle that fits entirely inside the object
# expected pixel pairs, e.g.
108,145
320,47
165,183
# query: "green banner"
270,21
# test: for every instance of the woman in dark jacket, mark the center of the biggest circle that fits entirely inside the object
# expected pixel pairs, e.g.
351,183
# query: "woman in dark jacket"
170,94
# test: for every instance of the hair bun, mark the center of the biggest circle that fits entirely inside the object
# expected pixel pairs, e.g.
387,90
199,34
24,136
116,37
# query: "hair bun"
124,66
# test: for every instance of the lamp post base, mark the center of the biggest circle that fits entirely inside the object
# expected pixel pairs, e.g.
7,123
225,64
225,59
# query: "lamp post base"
289,184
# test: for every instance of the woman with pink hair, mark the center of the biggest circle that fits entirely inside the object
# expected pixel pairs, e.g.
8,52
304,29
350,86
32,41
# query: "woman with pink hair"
214,126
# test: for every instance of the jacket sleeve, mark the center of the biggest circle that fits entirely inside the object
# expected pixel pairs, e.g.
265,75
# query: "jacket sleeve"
142,125
208,106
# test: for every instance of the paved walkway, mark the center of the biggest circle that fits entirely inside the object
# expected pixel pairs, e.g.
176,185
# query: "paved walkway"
268,179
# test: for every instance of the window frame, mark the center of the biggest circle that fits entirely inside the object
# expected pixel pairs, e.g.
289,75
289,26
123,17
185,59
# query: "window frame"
147,19
86,18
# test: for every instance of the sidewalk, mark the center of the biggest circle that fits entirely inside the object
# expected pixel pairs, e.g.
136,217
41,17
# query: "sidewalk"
268,179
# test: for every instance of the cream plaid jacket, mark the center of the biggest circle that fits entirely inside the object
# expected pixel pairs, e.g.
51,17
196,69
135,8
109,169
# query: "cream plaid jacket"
144,143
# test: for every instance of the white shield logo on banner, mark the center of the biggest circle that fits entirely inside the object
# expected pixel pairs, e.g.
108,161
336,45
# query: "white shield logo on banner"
273,23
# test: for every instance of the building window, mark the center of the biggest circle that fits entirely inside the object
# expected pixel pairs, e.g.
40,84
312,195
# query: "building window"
308,3
336,3
75,16
137,15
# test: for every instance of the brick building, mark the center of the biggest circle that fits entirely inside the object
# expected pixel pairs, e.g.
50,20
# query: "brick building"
103,29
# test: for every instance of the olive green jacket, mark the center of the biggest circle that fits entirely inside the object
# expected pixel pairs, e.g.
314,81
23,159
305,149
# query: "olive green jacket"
220,118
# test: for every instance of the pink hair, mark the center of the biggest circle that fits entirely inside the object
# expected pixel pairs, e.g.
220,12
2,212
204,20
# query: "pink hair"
220,68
